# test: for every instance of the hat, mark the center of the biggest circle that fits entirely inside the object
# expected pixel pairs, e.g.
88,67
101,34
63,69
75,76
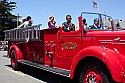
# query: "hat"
96,20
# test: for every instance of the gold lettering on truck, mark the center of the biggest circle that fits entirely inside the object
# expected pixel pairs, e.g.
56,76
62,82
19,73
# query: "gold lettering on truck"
69,46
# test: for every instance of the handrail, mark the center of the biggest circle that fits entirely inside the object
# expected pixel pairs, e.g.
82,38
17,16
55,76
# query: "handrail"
23,27
23,34
95,13
100,16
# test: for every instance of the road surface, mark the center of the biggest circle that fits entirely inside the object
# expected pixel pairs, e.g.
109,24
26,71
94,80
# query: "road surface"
27,74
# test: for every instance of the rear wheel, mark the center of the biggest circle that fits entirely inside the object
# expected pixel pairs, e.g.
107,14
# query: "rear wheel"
93,73
14,63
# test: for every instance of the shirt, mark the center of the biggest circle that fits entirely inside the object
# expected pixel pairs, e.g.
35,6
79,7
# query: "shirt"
68,27
51,24
25,24
95,27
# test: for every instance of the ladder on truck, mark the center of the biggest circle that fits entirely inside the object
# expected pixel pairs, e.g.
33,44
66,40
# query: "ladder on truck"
23,34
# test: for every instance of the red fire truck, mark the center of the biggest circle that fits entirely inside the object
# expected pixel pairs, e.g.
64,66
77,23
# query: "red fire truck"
88,55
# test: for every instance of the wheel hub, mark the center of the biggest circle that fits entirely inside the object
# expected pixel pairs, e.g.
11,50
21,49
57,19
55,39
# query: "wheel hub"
93,77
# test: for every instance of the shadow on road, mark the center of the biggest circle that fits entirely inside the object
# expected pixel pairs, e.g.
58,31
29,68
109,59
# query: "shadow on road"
43,75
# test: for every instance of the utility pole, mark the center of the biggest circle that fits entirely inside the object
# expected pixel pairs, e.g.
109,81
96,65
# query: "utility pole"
17,19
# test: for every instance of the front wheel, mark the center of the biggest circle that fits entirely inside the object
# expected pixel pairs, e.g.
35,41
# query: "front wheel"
93,73
14,63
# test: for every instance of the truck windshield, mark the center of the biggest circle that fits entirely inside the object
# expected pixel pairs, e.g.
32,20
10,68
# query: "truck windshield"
96,21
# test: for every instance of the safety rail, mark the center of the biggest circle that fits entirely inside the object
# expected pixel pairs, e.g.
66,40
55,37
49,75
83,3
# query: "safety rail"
23,34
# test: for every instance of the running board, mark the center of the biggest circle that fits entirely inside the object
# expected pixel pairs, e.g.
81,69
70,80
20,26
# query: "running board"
46,68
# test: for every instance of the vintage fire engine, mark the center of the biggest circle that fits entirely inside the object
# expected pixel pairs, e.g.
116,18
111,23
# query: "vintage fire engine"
89,55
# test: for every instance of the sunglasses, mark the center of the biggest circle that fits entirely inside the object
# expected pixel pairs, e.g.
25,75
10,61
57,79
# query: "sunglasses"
68,18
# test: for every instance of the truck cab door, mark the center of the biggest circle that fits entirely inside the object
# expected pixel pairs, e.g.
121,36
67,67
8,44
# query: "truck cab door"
69,46
70,43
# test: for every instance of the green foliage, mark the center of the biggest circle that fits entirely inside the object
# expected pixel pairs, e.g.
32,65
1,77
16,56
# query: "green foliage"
7,19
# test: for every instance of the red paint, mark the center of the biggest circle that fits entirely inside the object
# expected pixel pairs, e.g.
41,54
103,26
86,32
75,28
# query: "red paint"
103,55
92,75
64,50
18,52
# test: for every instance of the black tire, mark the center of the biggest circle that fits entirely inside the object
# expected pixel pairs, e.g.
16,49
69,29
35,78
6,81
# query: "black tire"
14,62
92,72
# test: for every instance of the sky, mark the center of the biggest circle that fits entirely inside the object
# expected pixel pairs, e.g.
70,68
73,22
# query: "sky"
40,10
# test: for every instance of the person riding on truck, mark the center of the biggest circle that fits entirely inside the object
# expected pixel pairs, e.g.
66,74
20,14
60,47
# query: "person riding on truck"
96,24
68,26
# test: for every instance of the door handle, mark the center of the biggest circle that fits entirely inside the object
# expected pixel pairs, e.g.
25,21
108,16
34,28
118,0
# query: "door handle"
116,39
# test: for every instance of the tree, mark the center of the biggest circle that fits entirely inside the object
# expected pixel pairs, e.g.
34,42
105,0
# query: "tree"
7,19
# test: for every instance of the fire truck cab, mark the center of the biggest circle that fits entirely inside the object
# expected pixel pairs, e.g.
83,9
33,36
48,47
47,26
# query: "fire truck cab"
89,55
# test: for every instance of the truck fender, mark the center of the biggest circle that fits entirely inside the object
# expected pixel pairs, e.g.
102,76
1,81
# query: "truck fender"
18,52
110,58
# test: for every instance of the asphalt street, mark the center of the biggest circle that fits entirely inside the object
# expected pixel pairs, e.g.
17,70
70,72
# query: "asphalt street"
27,74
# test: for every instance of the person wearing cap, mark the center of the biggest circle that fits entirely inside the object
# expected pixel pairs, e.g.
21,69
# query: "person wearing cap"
96,24
29,21
68,26
51,22
26,23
